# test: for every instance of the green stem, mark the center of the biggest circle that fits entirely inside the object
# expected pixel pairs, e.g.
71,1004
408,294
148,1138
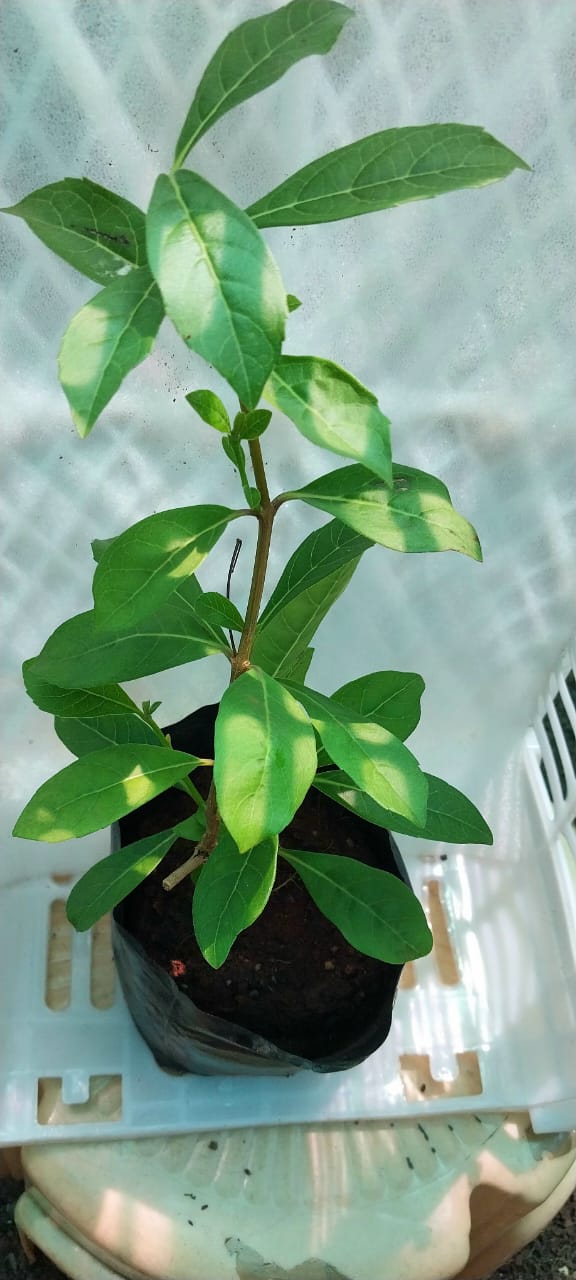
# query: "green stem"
265,522
259,472
241,660
185,784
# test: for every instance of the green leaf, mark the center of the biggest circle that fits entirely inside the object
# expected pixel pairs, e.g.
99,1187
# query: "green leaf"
249,426
99,547
81,703
105,340
265,758
253,56
450,816
300,666
148,562
209,407
375,911
220,284
293,302
235,452
83,736
315,576
214,607
111,879
418,516
97,231
230,893
317,557
333,410
389,698
80,652
384,170
377,761
281,638
100,788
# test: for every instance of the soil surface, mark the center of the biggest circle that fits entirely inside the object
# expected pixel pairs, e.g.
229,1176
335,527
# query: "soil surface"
291,976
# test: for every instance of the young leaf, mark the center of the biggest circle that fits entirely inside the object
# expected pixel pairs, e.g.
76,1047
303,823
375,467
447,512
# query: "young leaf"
97,231
111,879
209,407
333,410
83,736
375,911
417,516
384,170
149,561
234,451
80,703
281,638
219,282
389,698
265,758
105,340
100,788
253,56
450,816
79,651
317,557
214,607
249,426
293,302
377,761
230,893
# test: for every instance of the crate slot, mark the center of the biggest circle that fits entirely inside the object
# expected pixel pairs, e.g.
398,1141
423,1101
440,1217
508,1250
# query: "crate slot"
443,952
420,1084
58,983
102,968
102,1105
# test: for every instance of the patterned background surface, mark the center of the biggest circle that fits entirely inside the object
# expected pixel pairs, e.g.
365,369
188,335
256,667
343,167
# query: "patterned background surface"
458,312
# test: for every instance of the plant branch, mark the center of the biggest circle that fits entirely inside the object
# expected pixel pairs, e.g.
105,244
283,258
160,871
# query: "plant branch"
259,472
182,871
281,498
210,838
241,659
185,784
188,786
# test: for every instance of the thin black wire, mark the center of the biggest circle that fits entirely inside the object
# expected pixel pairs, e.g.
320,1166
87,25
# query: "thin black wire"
233,563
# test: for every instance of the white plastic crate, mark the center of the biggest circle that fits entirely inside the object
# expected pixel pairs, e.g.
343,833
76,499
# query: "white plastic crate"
460,314
487,1022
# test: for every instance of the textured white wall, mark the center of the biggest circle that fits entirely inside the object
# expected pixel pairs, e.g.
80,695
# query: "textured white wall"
458,312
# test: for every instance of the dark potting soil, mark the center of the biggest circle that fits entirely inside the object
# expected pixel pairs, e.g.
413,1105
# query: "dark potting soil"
291,976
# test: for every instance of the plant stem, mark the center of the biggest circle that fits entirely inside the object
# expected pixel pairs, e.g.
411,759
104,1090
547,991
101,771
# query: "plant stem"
259,472
241,659
185,784
182,871
192,791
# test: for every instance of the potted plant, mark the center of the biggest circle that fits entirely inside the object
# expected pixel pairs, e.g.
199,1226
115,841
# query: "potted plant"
262,913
